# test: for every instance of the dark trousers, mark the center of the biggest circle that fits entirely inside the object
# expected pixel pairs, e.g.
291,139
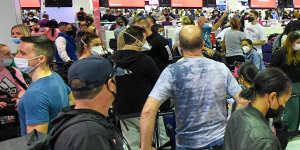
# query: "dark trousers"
231,60
9,131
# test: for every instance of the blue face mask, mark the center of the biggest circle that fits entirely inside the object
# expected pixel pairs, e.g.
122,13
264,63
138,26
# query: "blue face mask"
16,40
7,62
206,26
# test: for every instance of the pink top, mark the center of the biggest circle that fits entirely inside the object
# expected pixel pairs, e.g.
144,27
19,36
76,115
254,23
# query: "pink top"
48,33
9,84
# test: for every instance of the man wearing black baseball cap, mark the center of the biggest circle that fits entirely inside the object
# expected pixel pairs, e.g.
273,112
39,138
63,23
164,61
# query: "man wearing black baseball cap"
85,125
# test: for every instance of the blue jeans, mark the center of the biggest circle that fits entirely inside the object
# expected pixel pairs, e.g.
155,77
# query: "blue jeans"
215,143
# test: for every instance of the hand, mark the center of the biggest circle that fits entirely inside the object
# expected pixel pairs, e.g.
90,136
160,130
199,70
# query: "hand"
3,104
210,52
225,14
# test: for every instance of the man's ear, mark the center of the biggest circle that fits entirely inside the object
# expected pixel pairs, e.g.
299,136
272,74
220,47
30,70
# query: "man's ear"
111,85
42,59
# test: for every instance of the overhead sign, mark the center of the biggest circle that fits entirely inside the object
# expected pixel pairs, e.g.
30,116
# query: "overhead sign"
30,3
296,3
126,3
187,3
263,4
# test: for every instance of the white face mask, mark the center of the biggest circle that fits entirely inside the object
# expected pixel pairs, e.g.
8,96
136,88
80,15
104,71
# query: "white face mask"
97,50
23,64
145,47
297,47
246,49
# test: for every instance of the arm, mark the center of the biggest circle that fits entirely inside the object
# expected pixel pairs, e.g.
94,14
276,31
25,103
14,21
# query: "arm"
37,113
160,93
219,23
147,122
61,45
233,89
43,128
209,51
262,37
256,61
259,43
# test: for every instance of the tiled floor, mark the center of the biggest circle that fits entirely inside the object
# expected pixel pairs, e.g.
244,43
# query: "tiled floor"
294,144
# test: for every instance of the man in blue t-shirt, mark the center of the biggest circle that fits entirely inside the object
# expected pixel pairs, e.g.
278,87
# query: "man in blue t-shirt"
207,29
47,94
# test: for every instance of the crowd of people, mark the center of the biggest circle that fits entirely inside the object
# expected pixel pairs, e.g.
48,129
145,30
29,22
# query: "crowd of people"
64,81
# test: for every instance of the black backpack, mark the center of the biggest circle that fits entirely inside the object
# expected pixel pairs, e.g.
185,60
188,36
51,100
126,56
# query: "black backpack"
39,141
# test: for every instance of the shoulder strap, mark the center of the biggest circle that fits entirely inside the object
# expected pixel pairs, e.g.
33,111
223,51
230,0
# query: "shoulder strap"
13,74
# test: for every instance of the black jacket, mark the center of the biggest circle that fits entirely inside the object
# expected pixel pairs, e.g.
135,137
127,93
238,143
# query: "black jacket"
279,59
134,88
160,50
83,129
247,129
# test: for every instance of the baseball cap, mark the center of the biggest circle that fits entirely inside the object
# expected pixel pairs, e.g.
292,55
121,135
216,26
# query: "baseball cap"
94,71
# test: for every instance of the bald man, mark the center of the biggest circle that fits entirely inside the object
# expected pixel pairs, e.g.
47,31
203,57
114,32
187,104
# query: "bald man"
206,30
198,86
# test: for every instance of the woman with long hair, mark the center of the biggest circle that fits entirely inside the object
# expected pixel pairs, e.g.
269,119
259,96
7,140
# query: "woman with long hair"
288,59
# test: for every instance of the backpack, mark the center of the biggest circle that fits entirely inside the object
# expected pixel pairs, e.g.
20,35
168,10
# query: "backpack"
40,141
277,43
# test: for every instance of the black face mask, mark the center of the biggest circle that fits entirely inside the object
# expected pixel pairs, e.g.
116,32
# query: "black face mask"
82,33
36,29
275,113
251,19
70,33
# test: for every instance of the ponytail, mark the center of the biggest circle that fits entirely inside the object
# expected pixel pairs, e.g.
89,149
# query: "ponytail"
248,94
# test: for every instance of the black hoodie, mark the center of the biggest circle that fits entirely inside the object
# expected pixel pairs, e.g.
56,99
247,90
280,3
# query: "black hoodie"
134,88
84,129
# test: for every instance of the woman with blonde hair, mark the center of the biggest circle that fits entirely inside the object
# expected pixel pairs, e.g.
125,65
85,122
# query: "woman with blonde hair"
19,31
185,20
288,59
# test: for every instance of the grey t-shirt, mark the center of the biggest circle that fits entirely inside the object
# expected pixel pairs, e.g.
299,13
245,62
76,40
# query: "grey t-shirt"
199,87
233,40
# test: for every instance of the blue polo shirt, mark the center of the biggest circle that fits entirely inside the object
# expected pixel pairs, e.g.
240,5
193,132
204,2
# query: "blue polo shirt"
42,101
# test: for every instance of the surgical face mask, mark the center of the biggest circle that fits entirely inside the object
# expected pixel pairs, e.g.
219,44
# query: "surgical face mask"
246,49
97,50
297,47
146,47
161,33
23,64
16,40
7,62
206,26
